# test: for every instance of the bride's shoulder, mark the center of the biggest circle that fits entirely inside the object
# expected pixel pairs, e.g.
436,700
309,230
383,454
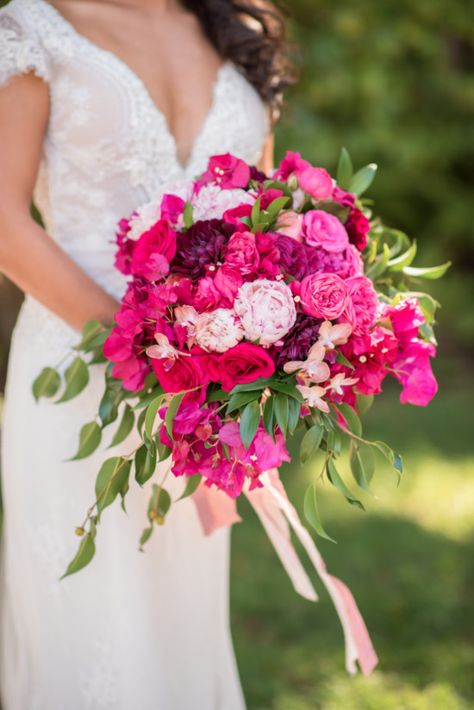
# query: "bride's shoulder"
21,40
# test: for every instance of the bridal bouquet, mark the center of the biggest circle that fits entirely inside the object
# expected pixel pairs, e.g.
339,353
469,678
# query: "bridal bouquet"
256,307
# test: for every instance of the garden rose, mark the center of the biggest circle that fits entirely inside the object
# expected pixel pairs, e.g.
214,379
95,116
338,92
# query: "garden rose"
185,374
321,229
364,304
244,363
290,224
315,182
266,310
241,252
218,330
324,296
153,252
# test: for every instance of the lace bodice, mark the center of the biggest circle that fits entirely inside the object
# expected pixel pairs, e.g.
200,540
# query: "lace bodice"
108,147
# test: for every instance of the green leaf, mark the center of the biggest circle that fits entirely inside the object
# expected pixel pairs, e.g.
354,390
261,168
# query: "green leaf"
77,378
145,536
403,260
159,505
145,463
151,414
335,208
431,272
258,384
379,265
171,412
191,485
275,207
392,456
83,556
281,412
94,335
311,442
352,420
249,422
110,480
47,383
188,215
286,388
239,400
338,483
311,513
111,399
269,415
364,403
125,426
255,214
89,440
294,411
363,179
146,399
361,475
344,170
340,358
218,396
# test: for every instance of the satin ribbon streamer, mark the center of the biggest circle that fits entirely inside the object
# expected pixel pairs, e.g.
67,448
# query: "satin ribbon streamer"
277,514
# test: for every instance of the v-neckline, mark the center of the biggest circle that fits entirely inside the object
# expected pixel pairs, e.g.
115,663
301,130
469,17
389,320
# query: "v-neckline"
133,76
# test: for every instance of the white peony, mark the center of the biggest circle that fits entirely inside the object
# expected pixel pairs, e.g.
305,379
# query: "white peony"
266,310
212,201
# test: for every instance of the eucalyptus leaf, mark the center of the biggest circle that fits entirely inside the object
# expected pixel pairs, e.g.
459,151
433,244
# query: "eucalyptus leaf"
345,170
363,179
47,383
77,378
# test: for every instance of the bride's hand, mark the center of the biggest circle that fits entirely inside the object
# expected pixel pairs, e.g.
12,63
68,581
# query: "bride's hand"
28,256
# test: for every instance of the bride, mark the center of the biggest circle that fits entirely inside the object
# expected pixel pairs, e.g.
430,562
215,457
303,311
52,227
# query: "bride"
101,102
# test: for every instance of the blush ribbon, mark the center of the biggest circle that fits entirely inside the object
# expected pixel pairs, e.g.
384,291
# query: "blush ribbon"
272,506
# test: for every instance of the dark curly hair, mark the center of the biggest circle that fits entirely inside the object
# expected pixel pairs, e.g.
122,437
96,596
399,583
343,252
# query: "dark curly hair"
251,33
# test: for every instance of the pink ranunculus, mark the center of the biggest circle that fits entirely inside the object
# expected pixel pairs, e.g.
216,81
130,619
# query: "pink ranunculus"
244,363
316,182
365,304
324,296
321,229
185,374
218,330
290,224
227,171
266,310
154,251
241,252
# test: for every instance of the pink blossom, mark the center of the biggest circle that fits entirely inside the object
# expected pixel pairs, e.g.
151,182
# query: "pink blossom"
316,182
313,396
331,335
263,453
172,208
154,251
218,330
163,350
321,229
324,296
413,370
266,310
227,171
406,318
311,370
241,252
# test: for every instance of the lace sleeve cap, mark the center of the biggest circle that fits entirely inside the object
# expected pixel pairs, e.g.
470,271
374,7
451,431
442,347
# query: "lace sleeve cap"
21,51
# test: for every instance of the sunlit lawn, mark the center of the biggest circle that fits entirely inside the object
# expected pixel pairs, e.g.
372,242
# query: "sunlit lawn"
409,561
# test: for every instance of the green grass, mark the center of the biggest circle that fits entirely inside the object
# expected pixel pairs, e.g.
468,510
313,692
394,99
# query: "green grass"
409,561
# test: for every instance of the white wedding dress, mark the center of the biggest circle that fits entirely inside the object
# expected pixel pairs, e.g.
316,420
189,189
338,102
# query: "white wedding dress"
133,630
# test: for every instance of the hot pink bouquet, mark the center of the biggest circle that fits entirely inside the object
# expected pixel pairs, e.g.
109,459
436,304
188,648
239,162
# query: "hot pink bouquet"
256,306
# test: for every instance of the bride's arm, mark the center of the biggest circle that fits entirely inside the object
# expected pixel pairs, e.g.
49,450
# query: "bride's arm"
266,161
28,256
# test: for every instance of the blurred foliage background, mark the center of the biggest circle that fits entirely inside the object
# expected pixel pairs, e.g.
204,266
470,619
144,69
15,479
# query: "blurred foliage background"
392,81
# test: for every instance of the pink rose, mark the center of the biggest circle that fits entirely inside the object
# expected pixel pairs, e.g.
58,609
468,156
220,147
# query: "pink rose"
363,313
266,310
324,296
154,251
185,374
227,171
315,182
244,363
290,224
321,229
241,252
